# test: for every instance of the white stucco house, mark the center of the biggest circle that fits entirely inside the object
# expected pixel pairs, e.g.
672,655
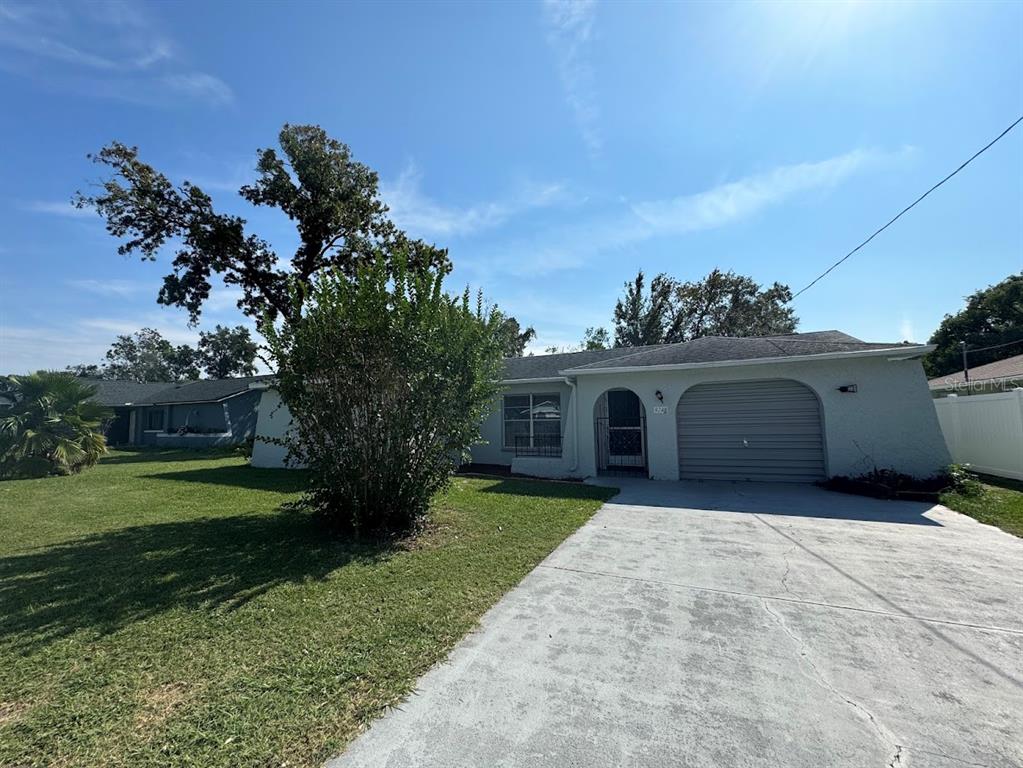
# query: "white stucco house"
797,408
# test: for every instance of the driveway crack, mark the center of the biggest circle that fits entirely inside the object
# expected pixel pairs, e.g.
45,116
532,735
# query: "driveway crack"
886,737
788,569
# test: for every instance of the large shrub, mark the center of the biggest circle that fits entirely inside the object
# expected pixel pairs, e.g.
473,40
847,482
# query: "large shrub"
49,425
387,379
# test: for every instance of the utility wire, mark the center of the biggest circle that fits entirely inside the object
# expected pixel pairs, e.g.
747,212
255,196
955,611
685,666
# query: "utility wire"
994,346
906,209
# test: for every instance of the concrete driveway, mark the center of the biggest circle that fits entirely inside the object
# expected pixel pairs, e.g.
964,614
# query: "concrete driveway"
737,625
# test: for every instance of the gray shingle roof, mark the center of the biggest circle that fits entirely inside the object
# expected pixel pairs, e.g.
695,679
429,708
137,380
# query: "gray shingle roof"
708,349
114,393
547,366
1009,368
205,390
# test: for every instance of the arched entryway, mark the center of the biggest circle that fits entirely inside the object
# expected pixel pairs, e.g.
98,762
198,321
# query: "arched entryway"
619,426
766,430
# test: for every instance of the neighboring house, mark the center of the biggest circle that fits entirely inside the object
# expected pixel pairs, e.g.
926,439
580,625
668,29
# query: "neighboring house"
999,376
798,407
191,414
122,397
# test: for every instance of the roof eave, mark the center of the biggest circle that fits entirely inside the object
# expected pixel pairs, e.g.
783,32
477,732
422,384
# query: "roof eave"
199,402
889,352
536,380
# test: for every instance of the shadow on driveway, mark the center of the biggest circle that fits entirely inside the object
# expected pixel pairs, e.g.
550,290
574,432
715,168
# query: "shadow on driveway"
789,499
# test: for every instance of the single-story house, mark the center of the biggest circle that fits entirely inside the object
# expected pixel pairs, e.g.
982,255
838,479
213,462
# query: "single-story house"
999,376
185,414
798,407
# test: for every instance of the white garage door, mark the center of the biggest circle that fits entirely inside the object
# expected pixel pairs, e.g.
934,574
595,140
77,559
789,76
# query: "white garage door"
751,430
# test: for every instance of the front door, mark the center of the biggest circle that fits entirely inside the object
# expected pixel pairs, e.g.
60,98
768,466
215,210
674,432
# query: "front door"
620,433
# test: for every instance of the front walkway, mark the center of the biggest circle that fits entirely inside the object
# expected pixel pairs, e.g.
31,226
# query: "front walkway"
727,624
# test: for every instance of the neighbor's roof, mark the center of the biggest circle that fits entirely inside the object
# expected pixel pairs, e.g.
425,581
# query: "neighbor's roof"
205,390
114,393
708,349
1009,368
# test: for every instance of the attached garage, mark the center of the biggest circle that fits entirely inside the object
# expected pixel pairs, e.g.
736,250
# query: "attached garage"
750,430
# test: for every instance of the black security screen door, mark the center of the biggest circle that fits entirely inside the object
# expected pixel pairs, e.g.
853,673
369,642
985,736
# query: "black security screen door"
620,434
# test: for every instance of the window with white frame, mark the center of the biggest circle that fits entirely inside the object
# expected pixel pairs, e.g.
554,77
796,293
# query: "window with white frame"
532,421
154,419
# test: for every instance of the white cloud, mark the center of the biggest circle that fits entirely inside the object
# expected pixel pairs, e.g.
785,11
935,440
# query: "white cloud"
121,288
27,349
160,50
223,300
108,328
213,174
569,30
201,87
58,208
108,50
576,244
46,47
729,202
412,210
906,331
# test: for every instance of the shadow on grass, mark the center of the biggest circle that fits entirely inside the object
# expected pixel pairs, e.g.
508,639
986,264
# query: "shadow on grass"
1002,482
280,480
549,489
143,455
106,581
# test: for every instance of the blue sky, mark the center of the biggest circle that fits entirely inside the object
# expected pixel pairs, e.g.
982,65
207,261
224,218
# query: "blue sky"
553,148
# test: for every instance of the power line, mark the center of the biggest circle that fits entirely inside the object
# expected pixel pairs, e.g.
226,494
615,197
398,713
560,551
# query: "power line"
907,208
994,346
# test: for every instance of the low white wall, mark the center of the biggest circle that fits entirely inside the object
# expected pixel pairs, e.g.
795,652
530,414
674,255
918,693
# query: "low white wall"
274,421
541,466
985,431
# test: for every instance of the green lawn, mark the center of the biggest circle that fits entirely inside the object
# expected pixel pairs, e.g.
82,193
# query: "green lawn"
160,609
1001,504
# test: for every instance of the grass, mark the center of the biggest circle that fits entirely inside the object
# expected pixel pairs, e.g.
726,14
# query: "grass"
1000,504
160,609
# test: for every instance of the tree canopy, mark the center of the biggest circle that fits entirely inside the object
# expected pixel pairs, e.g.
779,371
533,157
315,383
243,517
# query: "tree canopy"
331,198
147,356
639,316
596,338
992,316
721,304
225,352
513,338
725,304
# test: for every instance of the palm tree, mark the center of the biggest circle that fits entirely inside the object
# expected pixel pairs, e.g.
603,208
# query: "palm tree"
51,425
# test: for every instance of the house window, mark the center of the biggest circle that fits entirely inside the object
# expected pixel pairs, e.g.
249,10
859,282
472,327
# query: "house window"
532,421
154,419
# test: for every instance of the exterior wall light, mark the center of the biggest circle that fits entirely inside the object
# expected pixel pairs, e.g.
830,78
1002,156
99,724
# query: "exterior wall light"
659,395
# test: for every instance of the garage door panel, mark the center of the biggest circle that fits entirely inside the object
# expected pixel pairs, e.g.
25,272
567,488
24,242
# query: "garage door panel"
764,455
757,430
738,430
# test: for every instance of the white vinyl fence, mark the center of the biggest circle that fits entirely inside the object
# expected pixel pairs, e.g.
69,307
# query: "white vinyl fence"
985,431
